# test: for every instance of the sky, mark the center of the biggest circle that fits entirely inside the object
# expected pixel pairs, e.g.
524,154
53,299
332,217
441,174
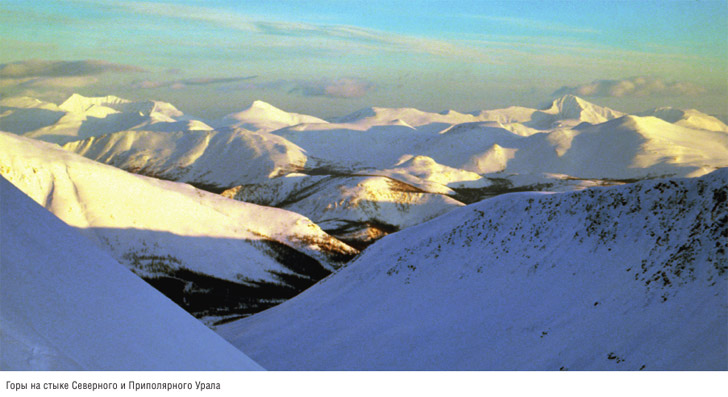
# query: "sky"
329,58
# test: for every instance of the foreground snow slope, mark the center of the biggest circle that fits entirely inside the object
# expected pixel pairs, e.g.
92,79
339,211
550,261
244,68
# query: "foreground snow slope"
187,239
622,278
68,305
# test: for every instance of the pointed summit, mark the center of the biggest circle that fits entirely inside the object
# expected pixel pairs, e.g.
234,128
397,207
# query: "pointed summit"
262,116
571,107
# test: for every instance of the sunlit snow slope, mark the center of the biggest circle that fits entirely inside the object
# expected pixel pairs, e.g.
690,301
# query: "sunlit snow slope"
68,305
212,159
212,255
621,278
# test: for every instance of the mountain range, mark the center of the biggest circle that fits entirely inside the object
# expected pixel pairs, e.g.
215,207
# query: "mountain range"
569,237
420,164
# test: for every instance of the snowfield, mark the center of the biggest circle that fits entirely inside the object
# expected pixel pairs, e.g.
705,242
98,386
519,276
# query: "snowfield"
66,304
633,277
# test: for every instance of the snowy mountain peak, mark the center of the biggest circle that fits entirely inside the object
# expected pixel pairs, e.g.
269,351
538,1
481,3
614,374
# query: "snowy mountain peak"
260,109
262,105
570,107
78,103
102,106
160,111
262,116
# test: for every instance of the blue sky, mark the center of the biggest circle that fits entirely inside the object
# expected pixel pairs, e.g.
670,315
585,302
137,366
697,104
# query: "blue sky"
332,57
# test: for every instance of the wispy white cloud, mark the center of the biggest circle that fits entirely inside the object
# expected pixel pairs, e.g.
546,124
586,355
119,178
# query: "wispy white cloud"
338,88
634,86
316,36
37,76
184,83
44,69
343,87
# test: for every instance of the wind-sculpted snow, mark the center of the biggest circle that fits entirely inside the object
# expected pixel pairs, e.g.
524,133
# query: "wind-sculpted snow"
68,305
633,277
212,159
178,237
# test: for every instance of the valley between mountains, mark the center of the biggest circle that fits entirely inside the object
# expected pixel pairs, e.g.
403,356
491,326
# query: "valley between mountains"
571,237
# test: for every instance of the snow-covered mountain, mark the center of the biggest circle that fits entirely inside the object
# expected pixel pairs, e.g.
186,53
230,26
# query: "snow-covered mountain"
568,110
627,147
262,116
214,159
357,209
632,277
319,168
68,305
213,255
428,175
496,144
373,116
81,117
690,118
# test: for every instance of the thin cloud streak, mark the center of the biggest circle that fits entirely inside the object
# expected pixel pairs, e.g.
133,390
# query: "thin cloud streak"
184,83
41,68
352,35
343,87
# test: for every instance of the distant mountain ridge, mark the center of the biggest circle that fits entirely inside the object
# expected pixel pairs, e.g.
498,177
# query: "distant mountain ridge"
568,145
